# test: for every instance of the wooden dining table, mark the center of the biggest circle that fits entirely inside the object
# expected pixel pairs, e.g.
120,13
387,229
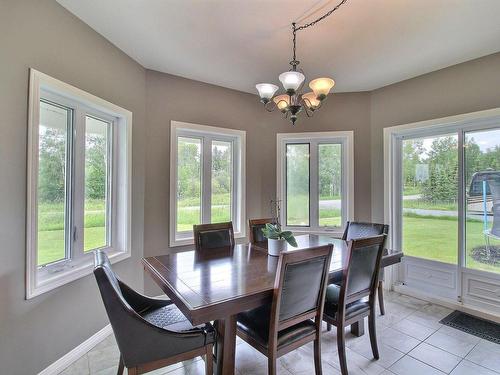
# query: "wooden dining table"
217,284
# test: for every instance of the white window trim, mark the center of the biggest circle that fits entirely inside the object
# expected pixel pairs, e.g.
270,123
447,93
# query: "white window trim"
185,128
393,180
346,138
38,282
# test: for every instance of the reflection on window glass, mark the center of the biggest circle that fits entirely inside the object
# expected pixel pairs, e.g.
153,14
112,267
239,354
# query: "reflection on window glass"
330,184
297,184
430,198
482,180
55,124
95,221
222,170
188,183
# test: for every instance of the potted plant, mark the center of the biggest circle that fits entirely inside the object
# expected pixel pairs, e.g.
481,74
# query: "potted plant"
277,238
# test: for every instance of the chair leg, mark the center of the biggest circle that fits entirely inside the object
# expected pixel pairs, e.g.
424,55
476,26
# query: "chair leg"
373,333
381,297
209,360
341,349
121,367
317,356
328,327
271,365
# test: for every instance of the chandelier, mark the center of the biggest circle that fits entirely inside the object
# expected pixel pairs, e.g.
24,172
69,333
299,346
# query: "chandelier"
293,101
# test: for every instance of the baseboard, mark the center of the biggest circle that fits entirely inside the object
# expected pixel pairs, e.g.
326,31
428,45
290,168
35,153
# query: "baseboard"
82,349
446,302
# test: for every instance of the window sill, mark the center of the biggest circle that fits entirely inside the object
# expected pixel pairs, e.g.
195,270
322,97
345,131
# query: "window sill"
47,281
190,241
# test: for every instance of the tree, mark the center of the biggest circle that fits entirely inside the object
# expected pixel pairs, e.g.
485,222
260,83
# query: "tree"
52,165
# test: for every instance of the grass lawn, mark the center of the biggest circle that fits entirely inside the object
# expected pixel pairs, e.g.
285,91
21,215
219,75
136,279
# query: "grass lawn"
51,229
436,239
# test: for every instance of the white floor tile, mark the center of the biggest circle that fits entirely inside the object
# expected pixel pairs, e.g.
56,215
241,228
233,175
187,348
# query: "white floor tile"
468,368
456,344
486,354
435,357
410,366
398,340
414,329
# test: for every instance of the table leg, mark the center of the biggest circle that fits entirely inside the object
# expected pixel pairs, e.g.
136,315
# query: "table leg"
226,346
358,328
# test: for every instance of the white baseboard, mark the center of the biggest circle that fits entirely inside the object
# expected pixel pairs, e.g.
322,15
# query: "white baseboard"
446,302
73,355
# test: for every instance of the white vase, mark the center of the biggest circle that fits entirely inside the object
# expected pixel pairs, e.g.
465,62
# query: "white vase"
275,247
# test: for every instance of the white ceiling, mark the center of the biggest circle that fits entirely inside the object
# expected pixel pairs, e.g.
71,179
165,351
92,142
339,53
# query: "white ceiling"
366,44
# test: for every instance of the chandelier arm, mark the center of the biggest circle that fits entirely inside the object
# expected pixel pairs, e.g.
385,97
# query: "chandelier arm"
270,106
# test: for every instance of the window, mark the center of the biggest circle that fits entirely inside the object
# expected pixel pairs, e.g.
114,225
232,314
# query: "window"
206,179
315,180
78,182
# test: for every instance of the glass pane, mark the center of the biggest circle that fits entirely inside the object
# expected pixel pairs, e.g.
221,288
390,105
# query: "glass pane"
297,184
330,184
95,221
430,195
188,183
222,170
482,180
55,124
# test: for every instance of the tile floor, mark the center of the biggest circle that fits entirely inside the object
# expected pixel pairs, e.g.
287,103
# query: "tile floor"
411,342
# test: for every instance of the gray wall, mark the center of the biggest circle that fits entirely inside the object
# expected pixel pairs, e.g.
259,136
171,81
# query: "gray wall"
42,35
467,87
173,98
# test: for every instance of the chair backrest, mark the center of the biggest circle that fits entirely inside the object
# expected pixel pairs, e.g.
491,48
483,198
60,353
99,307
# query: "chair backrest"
360,277
210,236
255,227
299,289
355,230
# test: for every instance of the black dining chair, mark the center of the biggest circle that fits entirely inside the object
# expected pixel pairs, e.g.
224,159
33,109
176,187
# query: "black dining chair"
210,236
150,333
255,227
356,230
293,318
346,304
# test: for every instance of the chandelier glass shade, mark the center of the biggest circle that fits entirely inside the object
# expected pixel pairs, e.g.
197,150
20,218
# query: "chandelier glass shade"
293,101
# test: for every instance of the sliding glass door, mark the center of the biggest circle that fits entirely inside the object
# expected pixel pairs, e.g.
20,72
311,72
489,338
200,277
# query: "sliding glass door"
446,218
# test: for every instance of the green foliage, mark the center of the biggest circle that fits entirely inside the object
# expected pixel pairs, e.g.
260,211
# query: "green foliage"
52,165
95,167
274,232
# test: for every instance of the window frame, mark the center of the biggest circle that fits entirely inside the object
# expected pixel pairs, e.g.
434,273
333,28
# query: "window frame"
78,263
314,139
207,134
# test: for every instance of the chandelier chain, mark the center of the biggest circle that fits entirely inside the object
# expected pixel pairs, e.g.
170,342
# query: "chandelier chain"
294,61
312,23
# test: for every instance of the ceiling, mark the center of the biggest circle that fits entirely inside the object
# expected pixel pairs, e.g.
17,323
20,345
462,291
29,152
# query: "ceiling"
365,45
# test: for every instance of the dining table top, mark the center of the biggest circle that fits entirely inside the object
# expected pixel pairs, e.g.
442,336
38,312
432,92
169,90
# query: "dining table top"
209,284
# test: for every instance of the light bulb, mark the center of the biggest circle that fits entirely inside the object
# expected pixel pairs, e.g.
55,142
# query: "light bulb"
311,100
266,91
291,81
321,87
282,102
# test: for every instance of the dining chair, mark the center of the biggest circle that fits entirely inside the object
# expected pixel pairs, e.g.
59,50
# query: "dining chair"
356,230
293,317
255,229
210,236
150,333
346,304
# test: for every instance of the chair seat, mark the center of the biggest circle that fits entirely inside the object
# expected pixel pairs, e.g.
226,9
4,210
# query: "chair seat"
331,304
255,323
172,319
